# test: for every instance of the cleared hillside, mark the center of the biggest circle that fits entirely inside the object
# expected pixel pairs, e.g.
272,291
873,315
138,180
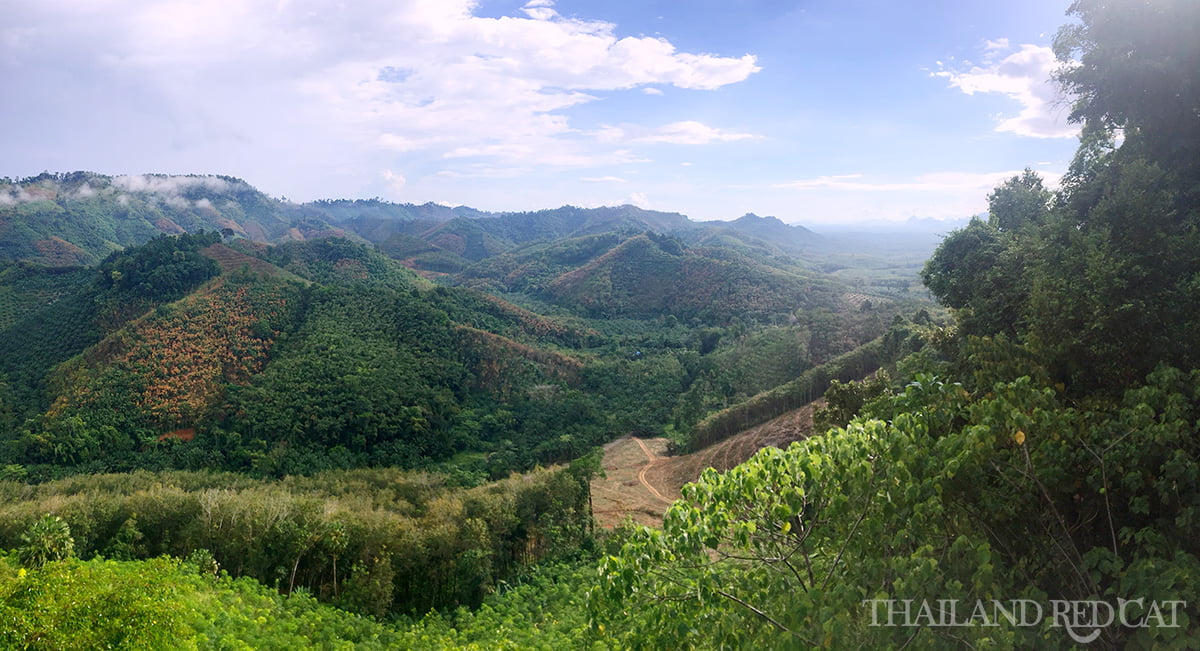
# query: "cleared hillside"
641,480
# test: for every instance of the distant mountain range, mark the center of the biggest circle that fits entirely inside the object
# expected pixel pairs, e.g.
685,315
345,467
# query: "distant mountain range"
620,261
80,217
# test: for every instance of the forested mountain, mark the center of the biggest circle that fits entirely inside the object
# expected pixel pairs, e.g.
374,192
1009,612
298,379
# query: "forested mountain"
257,335
215,351
647,274
766,234
80,217
313,415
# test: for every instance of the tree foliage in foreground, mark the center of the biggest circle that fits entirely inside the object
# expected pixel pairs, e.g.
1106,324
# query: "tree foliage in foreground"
164,603
935,493
376,542
1053,454
1102,282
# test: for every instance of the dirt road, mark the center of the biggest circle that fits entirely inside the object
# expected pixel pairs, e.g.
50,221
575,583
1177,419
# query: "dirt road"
624,492
651,460
641,481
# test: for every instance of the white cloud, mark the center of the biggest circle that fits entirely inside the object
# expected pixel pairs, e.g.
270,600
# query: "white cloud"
639,199
1025,76
540,9
603,179
998,45
650,90
687,132
168,186
981,183
395,182
21,195
169,189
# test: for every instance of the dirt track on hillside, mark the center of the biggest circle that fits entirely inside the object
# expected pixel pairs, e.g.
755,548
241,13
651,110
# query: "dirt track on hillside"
624,492
641,482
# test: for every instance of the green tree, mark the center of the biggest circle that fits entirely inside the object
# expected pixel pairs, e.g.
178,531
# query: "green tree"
980,272
1103,285
1132,66
126,544
1019,202
47,539
370,589
1114,288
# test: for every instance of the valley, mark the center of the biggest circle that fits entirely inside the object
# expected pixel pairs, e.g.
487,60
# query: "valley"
517,368
234,421
394,409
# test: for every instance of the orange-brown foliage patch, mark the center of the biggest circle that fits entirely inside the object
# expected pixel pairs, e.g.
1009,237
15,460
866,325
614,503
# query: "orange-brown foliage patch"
167,226
499,360
185,434
185,357
57,252
187,360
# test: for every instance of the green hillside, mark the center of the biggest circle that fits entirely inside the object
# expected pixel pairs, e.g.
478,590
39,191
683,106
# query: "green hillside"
299,356
189,352
80,217
254,434
645,275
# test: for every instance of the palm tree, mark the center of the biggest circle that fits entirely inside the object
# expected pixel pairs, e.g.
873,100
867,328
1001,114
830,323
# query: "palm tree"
47,539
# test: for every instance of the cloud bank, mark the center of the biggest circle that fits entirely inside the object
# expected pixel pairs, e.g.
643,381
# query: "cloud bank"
687,132
969,182
168,186
308,80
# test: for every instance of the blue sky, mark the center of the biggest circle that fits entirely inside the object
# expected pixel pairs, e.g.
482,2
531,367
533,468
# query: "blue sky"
829,111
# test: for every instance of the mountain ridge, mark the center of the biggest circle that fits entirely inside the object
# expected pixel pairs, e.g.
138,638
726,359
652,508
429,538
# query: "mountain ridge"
61,219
